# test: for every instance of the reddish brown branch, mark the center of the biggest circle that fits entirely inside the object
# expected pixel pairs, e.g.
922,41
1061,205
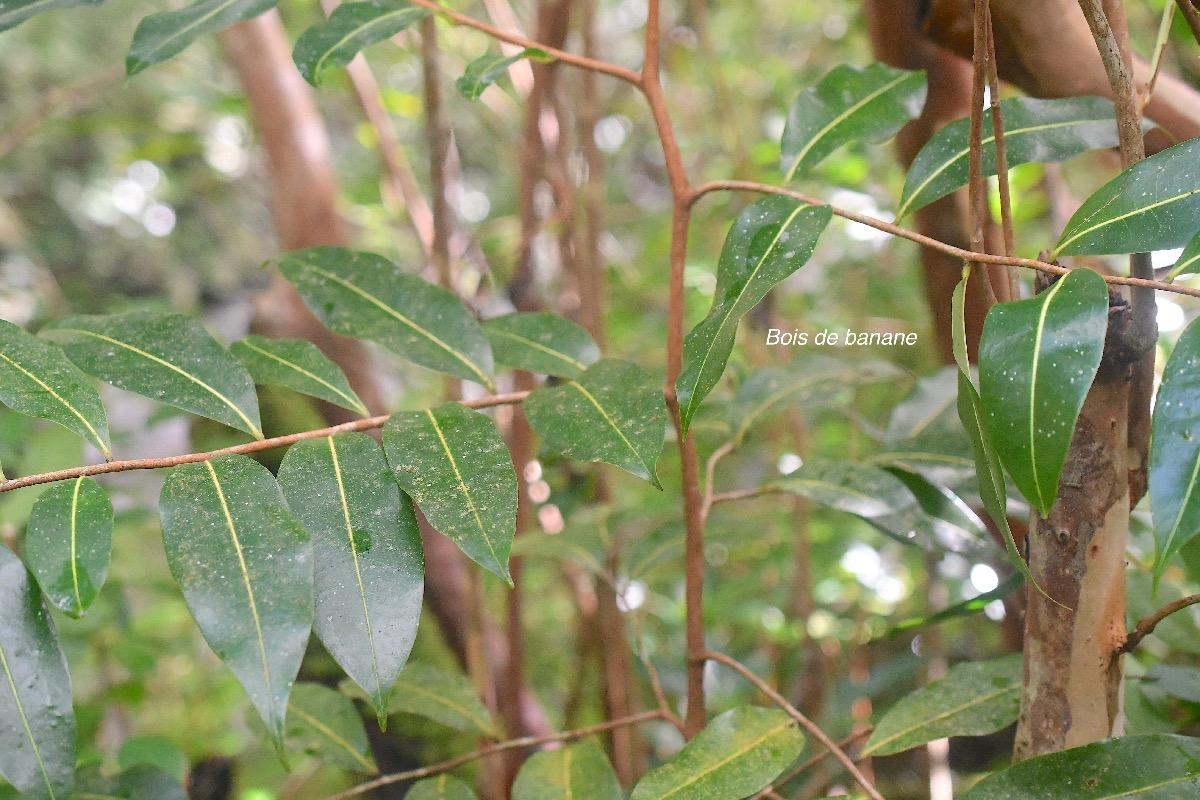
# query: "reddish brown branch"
811,762
1192,15
1147,625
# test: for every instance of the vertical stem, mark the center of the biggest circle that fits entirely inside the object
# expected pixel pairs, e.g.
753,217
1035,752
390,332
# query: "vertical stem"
1006,221
437,133
977,184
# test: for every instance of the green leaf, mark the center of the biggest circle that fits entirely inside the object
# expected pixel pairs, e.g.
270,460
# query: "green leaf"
366,296
14,12
37,379
298,365
1188,261
612,413
738,754
37,736
69,543
166,357
972,699
245,566
1153,205
580,770
167,33
454,464
155,751
1035,130
955,524
1037,359
350,28
966,607
541,342
1174,466
770,240
443,696
870,103
322,722
139,782
489,68
443,787
1156,767
367,559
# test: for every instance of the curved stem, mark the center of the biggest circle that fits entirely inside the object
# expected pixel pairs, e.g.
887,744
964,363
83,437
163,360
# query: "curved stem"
1147,625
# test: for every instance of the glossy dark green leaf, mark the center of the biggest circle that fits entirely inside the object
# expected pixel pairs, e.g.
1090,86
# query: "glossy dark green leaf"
850,103
14,12
1037,359
37,722
350,28
454,464
771,239
245,566
489,68
738,754
973,699
1153,205
924,435
69,543
166,357
443,787
298,365
965,608
575,771
367,560
612,413
37,379
1174,467
367,296
541,342
1035,130
167,33
323,722
1188,261
1156,767
955,524
441,695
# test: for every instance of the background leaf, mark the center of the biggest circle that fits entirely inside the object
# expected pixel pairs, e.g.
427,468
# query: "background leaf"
1188,261
37,379
368,566
612,413
245,566
298,365
69,543
350,28
443,787
367,296
870,103
162,35
576,771
489,68
541,342
14,12
455,465
441,695
37,737
323,722
166,357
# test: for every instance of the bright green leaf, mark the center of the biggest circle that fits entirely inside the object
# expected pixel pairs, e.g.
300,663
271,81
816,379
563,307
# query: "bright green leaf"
972,699
770,240
441,695
1153,205
454,464
870,103
1188,261
245,566
1037,359
69,543
167,33
166,357
443,787
37,735
367,559
576,771
541,342
367,296
1035,130
738,754
323,722
14,12
489,68
1157,767
612,413
298,365
350,28
37,379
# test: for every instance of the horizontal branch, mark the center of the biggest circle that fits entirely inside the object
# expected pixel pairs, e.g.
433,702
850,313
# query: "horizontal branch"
365,424
743,494
1147,625
905,233
499,747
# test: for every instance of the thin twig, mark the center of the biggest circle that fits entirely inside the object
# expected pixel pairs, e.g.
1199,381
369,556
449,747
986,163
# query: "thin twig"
1006,219
812,761
511,744
1147,625
710,469
655,683
366,424
1160,46
813,729
1192,15
743,494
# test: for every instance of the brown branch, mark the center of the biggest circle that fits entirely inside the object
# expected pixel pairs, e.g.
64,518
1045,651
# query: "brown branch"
1192,15
977,209
1147,625
811,762
813,729
1006,220
913,236
1120,77
710,469
743,494
366,424
499,747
